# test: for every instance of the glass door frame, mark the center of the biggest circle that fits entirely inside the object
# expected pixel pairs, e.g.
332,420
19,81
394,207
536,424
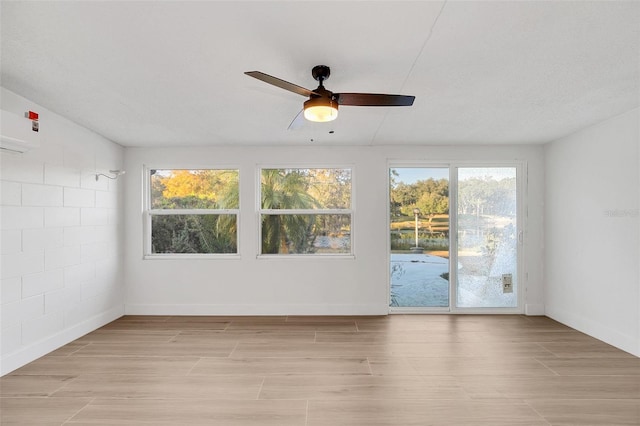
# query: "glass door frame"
453,166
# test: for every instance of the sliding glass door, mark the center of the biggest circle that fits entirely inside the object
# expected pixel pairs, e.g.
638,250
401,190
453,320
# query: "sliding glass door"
453,238
419,231
487,243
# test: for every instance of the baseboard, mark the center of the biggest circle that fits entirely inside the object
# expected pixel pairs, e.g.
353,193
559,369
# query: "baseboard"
534,309
21,357
596,330
238,310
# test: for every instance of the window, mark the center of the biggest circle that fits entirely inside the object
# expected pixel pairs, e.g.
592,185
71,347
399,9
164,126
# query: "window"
306,211
192,212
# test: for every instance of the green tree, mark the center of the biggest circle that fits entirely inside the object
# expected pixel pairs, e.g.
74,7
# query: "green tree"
191,234
473,194
487,196
434,196
430,196
286,189
331,188
403,199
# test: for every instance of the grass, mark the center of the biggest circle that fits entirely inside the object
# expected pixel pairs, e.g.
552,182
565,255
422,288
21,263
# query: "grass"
439,223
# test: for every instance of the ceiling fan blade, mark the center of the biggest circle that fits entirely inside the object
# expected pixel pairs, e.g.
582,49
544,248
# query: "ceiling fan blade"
373,99
297,121
280,83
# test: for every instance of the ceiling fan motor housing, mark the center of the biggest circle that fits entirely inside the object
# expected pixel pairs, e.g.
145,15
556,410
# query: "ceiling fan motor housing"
322,105
321,108
321,73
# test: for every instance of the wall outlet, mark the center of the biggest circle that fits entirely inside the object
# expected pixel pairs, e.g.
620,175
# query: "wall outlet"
507,283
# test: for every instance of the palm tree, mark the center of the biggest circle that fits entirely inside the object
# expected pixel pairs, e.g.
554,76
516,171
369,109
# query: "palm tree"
285,190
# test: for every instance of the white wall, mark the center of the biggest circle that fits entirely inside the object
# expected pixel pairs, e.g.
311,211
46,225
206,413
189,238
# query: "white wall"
61,243
253,286
592,279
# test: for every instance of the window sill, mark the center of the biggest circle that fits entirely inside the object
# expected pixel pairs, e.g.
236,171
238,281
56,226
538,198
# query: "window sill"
313,257
190,256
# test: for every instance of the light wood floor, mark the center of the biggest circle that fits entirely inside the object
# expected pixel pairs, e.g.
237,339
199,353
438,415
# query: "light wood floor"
370,371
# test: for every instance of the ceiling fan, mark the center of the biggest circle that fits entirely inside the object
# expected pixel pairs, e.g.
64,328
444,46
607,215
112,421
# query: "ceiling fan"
322,104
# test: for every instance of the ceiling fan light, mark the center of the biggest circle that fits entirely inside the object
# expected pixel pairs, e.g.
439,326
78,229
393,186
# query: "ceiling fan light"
320,110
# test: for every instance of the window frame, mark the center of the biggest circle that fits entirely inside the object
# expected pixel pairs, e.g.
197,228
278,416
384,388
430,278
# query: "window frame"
148,214
260,212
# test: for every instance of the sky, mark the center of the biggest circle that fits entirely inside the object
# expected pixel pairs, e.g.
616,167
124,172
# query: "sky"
411,175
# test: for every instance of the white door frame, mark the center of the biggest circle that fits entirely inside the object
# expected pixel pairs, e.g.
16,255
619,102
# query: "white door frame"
453,165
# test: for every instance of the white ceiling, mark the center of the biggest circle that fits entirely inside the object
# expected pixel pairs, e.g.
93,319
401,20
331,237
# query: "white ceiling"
171,73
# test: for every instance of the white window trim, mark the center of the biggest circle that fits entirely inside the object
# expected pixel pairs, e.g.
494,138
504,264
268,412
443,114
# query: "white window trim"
171,212
260,211
148,214
306,211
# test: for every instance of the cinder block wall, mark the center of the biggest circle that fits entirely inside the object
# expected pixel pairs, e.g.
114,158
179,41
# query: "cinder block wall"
61,241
